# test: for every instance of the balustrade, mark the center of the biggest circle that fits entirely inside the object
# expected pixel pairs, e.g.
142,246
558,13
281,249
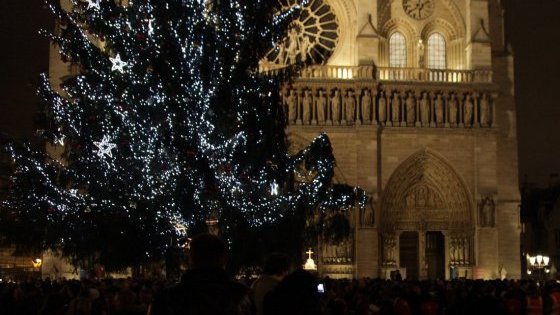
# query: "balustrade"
387,74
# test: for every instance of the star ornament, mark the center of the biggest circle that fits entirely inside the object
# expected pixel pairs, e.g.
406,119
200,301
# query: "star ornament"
118,64
93,4
104,147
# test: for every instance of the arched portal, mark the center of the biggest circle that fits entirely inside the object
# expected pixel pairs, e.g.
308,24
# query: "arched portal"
426,219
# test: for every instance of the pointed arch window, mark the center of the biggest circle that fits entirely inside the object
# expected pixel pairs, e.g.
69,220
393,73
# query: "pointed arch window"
397,50
436,52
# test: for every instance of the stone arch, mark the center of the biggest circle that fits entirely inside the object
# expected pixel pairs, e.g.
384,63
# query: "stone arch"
426,193
457,17
399,24
297,143
346,12
404,27
439,26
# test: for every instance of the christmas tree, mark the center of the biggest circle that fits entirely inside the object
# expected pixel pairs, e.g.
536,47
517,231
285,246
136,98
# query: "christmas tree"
166,125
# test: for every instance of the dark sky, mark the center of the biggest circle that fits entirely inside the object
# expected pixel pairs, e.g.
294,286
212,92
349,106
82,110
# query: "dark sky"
533,26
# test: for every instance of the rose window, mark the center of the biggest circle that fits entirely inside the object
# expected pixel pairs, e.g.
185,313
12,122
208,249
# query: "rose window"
311,37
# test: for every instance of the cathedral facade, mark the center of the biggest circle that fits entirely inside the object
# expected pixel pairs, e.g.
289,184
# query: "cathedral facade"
417,99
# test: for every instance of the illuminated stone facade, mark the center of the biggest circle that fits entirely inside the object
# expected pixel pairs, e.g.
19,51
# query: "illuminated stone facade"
432,141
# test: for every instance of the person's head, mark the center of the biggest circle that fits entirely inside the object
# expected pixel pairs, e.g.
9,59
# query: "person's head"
207,250
277,264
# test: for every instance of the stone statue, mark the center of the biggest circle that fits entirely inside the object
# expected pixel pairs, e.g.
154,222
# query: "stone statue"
468,111
335,106
349,106
467,250
395,107
389,249
367,216
460,250
420,47
453,107
503,272
366,106
321,107
382,108
307,103
425,109
292,106
487,212
410,108
484,110
305,48
292,49
439,110
453,251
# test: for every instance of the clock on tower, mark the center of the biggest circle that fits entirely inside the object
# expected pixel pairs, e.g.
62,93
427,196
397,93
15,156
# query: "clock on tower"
418,9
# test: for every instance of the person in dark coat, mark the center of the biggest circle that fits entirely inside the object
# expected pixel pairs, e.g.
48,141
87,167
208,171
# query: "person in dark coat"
205,289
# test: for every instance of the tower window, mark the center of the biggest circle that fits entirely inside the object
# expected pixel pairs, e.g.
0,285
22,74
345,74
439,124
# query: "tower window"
436,51
397,50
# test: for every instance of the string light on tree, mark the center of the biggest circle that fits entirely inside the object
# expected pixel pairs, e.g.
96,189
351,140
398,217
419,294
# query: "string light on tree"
198,131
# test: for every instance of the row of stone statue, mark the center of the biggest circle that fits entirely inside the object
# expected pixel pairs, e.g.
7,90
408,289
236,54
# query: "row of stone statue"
337,253
391,108
460,250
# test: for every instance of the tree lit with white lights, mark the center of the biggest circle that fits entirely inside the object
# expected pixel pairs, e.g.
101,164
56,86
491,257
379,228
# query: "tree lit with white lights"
167,124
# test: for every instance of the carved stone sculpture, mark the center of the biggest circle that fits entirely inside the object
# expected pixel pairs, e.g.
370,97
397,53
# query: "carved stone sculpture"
292,48
484,110
453,108
410,108
395,107
468,111
453,250
366,106
335,106
439,110
307,109
350,106
382,108
487,212
292,106
420,47
389,245
425,109
321,107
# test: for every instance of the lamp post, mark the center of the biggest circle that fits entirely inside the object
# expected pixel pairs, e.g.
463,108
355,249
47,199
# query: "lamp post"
538,264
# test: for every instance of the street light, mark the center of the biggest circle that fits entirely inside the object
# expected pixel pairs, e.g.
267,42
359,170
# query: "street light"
538,263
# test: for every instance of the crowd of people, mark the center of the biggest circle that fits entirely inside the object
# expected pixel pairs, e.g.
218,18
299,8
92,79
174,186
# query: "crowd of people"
207,289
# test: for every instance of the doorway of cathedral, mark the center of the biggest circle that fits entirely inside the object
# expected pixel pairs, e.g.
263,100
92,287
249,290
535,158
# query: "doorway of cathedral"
435,255
408,252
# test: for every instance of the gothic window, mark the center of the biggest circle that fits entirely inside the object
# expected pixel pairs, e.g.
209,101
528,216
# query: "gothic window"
397,50
436,52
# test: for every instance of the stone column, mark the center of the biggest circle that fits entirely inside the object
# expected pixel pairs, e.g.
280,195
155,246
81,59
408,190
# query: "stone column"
476,103
373,107
417,100
460,103
299,110
445,98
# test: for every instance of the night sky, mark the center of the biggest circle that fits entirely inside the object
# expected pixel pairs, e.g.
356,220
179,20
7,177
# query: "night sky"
533,26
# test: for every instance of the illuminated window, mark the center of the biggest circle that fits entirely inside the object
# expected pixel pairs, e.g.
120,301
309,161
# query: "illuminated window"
397,50
436,51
